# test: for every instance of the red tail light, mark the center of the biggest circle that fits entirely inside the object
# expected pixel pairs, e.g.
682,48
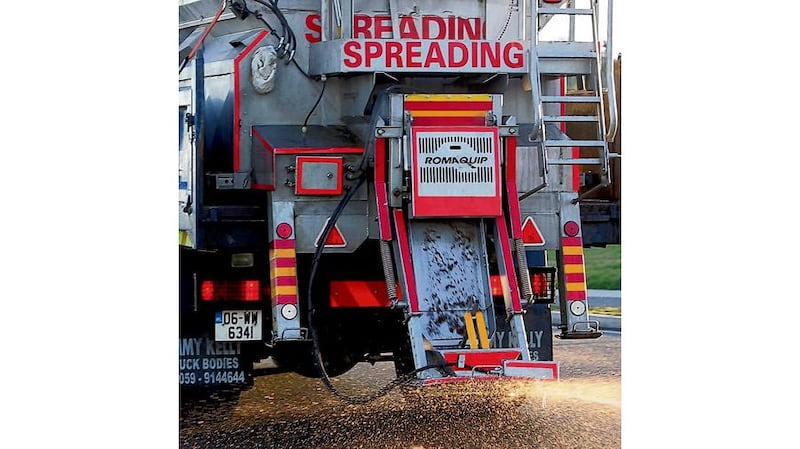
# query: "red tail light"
496,285
247,290
250,290
539,284
207,290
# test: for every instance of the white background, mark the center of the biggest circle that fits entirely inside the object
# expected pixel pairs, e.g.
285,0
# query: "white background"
88,195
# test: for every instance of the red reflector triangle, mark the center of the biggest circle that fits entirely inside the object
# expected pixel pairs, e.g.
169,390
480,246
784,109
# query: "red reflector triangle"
335,238
531,236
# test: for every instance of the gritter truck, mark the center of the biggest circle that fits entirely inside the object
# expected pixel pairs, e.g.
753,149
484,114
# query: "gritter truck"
390,180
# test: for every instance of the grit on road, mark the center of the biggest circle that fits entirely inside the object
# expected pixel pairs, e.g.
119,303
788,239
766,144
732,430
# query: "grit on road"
289,411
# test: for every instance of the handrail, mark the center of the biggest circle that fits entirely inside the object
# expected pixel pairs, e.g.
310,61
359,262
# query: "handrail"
612,95
536,88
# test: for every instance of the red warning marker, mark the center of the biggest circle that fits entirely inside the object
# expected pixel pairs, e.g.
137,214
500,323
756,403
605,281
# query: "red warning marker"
531,236
335,238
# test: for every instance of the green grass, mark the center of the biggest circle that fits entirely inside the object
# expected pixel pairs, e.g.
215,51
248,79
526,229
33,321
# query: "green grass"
603,267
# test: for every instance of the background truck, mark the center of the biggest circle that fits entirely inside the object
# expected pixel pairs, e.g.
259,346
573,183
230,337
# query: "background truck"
382,180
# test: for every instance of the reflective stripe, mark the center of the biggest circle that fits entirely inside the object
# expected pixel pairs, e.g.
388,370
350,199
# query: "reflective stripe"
571,268
287,271
482,333
448,113
576,286
281,253
573,250
285,290
470,325
448,97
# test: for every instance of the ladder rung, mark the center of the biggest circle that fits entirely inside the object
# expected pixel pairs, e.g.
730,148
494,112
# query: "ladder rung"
570,118
564,11
579,161
558,49
574,143
570,99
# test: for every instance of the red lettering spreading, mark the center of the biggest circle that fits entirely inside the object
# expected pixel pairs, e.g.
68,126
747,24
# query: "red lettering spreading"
490,54
361,25
314,28
352,54
394,50
449,42
513,59
378,54
426,27
416,52
408,28
383,27
469,28
435,56
451,27
372,50
428,21
451,54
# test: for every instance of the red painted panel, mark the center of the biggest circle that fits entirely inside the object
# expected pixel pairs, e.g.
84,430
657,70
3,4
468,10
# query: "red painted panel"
302,160
449,121
516,305
454,206
405,255
271,151
515,215
477,357
358,294
321,150
381,197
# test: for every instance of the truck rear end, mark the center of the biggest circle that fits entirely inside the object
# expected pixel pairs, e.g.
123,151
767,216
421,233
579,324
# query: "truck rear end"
365,182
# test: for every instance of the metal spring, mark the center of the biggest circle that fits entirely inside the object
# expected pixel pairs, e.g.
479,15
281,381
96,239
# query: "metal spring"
522,268
388,270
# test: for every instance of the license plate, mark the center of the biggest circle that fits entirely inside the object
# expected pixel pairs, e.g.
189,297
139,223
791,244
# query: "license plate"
237,325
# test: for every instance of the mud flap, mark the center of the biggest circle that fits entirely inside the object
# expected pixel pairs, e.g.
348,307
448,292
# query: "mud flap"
538,328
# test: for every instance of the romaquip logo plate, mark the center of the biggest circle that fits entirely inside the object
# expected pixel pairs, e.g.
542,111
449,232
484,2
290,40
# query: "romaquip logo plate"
456,172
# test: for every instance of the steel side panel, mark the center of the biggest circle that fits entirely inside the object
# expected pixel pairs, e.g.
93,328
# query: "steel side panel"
452,276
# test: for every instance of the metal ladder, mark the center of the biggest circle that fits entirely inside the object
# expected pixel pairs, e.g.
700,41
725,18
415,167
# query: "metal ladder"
571,57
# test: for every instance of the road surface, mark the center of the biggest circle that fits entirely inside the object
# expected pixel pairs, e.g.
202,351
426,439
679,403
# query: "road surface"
289,411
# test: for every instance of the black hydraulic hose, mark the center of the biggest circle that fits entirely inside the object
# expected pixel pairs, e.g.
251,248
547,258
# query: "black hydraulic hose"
287,41
326,380
314,108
